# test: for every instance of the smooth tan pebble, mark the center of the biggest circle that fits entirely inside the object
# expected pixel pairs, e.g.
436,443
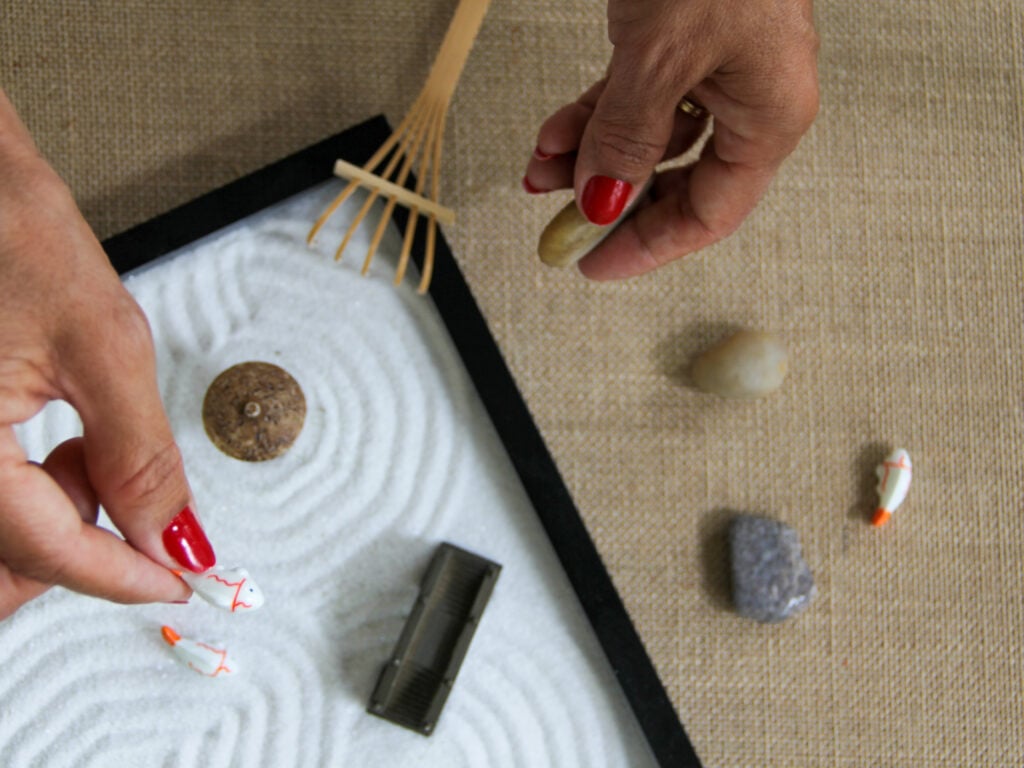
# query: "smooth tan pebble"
569,237
746,365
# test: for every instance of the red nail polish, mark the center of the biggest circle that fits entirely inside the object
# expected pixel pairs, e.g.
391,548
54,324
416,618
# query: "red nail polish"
541,155
185,541
530,188
604,198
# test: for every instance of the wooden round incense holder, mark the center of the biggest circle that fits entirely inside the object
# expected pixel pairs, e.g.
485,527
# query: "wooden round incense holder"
254,411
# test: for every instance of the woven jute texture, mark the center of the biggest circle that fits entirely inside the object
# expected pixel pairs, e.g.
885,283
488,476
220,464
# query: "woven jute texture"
889,254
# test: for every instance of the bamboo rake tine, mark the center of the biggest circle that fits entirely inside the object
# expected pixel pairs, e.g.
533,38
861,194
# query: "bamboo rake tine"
416,141
428,257
435,177
403,174
367,204
417,127
402,151
435,188
410,233
351,187
410,227
378,235
365,209
338,201
378,156
329,211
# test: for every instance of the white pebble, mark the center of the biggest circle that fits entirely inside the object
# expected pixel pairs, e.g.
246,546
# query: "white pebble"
746,365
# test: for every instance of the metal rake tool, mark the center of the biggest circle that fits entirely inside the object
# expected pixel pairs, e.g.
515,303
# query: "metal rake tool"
418,137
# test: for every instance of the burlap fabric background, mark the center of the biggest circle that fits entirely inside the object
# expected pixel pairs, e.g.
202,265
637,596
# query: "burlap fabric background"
889,253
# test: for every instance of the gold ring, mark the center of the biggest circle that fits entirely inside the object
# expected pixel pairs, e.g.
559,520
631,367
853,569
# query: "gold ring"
690,107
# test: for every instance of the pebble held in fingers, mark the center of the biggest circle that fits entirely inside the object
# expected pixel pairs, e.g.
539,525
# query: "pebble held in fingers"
569,236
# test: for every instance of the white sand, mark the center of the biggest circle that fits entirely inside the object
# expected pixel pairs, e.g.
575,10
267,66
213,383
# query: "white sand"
396,456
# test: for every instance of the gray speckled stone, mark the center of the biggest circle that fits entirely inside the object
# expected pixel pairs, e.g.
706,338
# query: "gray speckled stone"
770,580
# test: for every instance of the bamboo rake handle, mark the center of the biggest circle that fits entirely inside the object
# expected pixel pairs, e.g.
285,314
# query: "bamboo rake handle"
455,47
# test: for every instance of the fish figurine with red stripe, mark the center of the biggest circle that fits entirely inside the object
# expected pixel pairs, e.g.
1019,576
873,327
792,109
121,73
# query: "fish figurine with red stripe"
200,657
229,588
893,483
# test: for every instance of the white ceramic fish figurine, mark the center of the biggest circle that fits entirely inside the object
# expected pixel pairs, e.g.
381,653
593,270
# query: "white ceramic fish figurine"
200,657
893,483
229,588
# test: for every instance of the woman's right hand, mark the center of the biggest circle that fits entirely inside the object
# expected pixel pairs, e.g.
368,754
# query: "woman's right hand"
70,331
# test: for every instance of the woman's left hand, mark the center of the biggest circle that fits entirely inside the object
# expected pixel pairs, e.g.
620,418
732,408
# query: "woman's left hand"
752,64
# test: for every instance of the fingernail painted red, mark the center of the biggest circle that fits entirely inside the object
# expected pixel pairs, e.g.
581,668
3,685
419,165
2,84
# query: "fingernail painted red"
185,541
530,188
540,155
604,198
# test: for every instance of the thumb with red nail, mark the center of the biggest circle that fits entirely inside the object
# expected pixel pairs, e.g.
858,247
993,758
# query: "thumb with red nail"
749,64
70,331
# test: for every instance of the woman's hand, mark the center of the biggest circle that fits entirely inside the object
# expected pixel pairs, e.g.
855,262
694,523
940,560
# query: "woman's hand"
752,64
70,331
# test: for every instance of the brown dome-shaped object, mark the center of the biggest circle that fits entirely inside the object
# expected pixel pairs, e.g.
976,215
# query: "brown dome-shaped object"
254,411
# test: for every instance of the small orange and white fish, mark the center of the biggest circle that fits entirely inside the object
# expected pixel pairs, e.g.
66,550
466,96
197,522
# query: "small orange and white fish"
229,588
893,483
200,657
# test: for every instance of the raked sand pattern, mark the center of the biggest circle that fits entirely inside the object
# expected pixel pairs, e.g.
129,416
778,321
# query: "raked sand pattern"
396,456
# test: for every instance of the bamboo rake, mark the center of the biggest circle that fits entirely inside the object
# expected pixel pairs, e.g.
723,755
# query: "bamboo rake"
421,130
